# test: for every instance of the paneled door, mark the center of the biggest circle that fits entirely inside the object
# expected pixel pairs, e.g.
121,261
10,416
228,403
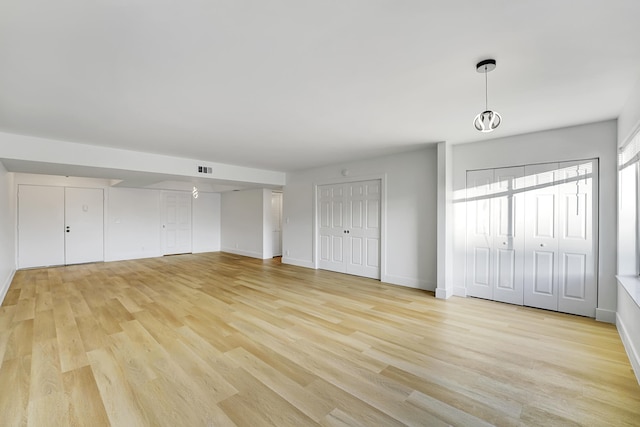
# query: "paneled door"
349,228
560,254
531,235
176,222
84,222
495,234
58,225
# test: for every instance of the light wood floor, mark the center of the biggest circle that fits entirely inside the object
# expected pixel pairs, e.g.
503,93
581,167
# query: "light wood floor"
217,339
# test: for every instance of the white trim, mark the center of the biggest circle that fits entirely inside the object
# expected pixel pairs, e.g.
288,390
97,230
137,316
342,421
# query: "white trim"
298,262
634,358
460,291
6,285
250,254
443,293
607,316
408,282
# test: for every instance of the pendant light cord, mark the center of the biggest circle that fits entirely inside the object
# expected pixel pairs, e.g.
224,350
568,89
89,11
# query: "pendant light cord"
486,90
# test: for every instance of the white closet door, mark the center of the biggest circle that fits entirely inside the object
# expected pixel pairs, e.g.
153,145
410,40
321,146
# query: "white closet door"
479,234
363,226
508,236
176,222
349,228
541,247
578,214
84,225
40,226
331,227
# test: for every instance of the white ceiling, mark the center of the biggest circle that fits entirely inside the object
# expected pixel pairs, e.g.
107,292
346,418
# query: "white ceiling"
292,84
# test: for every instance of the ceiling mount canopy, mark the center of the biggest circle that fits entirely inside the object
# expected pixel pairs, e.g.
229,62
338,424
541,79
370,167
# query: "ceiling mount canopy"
488,120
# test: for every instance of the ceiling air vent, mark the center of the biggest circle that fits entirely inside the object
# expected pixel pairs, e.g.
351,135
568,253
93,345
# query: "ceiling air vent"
205,169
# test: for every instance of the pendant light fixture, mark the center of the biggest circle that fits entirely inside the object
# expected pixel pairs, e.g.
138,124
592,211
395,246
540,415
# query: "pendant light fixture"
488,120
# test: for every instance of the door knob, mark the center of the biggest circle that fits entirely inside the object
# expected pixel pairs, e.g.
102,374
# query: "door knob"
67,230
542,245
504,243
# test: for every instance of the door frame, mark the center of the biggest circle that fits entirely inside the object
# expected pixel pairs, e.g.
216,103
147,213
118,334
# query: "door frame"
383,217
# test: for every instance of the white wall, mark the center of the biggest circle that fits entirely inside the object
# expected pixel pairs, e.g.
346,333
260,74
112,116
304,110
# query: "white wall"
628,310
206,223
596,140
629,120
133,217
133,224
7,230
409,252
242,222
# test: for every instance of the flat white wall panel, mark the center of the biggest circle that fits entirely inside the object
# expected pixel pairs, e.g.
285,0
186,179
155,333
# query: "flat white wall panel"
241,222
206,223
7,230
133,224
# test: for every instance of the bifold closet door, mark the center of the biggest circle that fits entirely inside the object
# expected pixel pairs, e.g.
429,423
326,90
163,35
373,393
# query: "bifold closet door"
495,234
560,254
349,228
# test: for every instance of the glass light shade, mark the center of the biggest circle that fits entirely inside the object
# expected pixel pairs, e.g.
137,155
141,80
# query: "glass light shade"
195,192
487,121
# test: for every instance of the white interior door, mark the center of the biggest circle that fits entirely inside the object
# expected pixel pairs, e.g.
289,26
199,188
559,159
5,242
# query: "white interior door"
276,215
479,234
84,225
577,260
176,222
495,234
331,227
40,226
363,228
508,239
541,247
531,235
349,228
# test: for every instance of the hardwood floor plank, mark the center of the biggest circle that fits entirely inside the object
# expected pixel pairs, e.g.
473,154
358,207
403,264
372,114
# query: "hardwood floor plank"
82,394
221,339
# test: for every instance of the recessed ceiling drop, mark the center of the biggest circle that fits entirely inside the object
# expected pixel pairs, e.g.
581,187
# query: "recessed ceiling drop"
488,120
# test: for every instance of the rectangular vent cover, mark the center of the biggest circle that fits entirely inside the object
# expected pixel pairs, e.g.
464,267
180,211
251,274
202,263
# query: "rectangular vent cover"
205,169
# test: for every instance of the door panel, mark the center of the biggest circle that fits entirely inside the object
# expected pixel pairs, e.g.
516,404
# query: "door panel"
363,226
84,225
331,230
479,238
541,241
40,226
578,257
508,208
176,223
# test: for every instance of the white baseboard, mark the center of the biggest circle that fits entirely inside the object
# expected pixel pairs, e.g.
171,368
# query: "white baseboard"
298,262
250,254
607,316
408,282
5,285
634,357
460,291
444,293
